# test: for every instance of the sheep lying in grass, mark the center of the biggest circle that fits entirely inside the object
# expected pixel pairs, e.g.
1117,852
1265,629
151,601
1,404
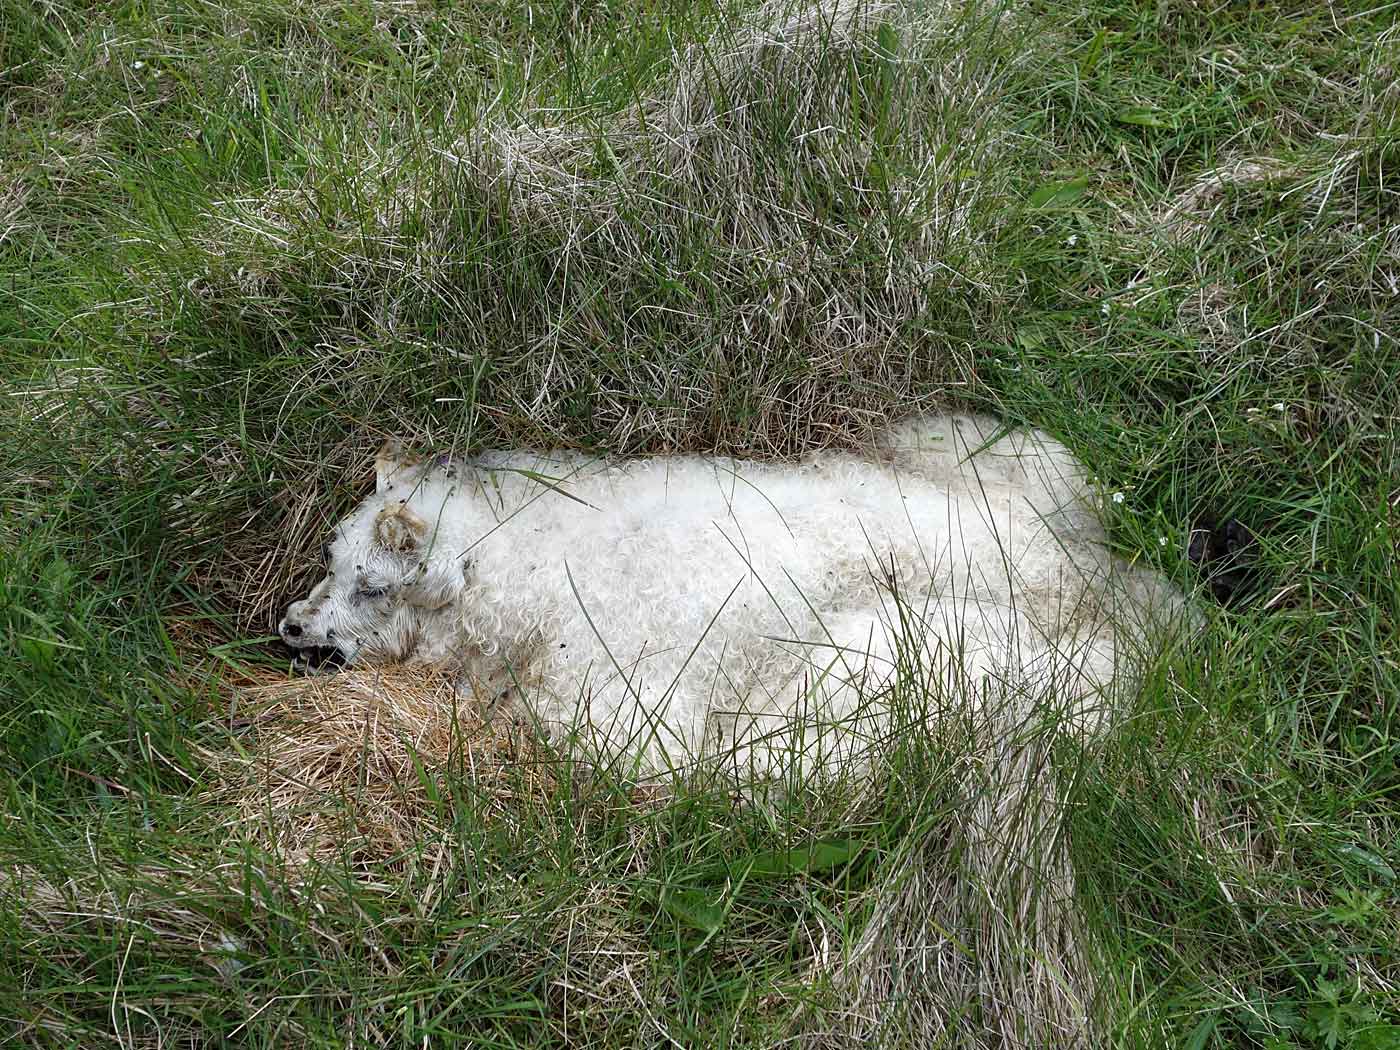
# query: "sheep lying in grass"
678,605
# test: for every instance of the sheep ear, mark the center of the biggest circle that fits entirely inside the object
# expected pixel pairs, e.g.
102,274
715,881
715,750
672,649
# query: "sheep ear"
399,529
391,460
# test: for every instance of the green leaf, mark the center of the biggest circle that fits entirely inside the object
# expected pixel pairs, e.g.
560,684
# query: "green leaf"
1356,907
57,581
1031,337
37,652
1058,194
1371,861
1377,1037
1145,118
426,779
887,40
692,908
525,1006
820,856
1091,58
1202,1032
1284,1014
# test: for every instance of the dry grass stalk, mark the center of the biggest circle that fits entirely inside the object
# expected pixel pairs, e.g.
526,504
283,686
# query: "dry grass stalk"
703,151
1210,313
975,940
1192,212
796,192
13,196
349,765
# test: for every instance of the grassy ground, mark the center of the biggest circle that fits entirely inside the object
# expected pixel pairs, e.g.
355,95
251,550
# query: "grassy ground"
243,240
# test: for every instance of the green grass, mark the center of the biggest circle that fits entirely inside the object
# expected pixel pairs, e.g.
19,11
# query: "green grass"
242,241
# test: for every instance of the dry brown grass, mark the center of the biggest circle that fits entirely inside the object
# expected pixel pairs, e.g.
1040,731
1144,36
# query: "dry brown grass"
972,934
261,571
351,765
1194,210
13,195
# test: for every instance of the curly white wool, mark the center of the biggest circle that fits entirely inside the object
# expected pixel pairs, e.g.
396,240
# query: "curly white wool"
678,605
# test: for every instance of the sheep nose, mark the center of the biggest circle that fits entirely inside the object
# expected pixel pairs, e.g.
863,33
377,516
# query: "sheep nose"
289,629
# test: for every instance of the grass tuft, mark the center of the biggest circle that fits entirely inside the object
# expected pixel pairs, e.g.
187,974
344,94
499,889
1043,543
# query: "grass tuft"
243,241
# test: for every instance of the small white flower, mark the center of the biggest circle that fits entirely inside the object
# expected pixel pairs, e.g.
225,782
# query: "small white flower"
1161,541
1104,309
1071,240
1278,406
1118,497
138,64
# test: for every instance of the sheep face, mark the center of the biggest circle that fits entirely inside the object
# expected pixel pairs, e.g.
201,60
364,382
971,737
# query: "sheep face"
390,582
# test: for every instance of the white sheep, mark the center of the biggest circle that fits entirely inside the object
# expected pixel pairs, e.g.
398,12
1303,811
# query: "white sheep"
679,605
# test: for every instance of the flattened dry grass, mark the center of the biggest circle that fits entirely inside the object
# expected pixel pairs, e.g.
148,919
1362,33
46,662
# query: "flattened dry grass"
973,935
351,765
